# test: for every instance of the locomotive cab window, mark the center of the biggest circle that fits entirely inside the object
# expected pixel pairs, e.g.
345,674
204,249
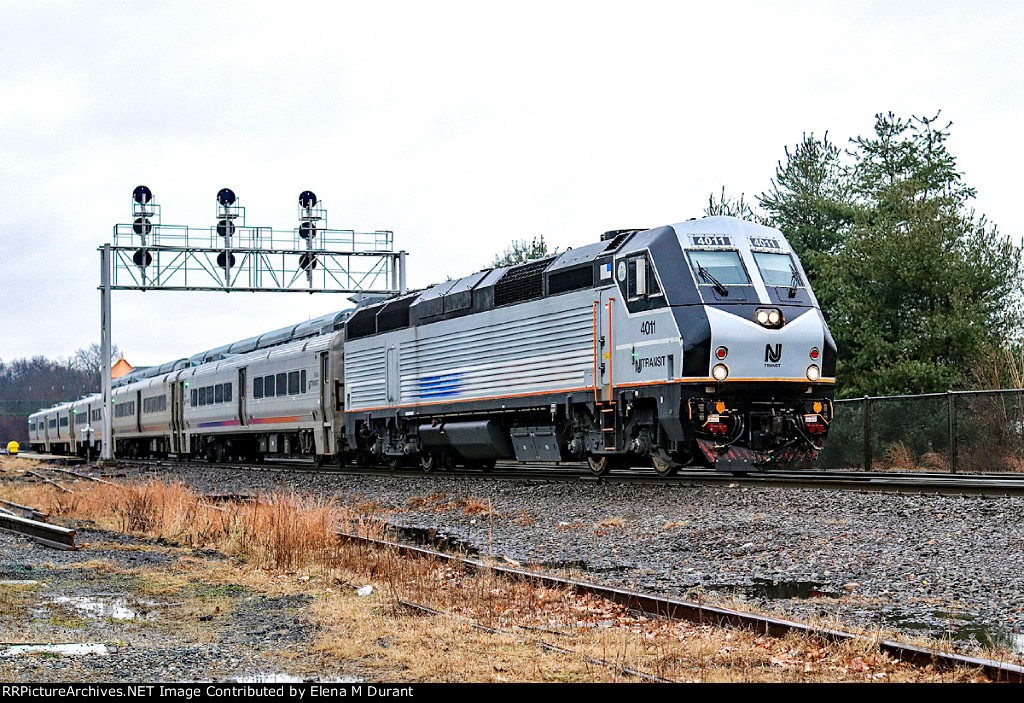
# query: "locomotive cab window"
641,282
778,270
718,268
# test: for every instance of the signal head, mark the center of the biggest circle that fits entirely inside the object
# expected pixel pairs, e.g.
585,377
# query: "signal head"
142,195
142,225
226,197
307,199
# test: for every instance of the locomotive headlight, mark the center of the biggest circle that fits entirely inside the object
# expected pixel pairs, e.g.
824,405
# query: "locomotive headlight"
720,372
773,317
762,317
813,372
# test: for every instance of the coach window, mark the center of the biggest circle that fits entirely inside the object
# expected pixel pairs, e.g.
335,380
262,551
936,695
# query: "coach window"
209,395
293,382
268,386
257,387
227,392
302,381
202,396
282,384
195,397
218,393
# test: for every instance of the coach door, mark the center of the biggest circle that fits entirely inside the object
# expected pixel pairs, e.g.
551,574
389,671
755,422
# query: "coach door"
177,415
241,398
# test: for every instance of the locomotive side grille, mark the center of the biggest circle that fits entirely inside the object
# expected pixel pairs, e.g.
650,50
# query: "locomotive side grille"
571,279
521,283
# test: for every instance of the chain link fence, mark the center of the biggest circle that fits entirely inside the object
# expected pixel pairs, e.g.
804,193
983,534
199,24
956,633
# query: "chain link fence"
957,432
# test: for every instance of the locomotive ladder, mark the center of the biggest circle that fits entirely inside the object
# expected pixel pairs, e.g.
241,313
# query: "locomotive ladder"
609,424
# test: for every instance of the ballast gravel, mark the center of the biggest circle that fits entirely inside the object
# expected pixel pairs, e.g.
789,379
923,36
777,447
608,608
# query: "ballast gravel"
935,565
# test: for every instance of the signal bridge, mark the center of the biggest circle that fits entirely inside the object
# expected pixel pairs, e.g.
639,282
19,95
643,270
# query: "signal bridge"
231,256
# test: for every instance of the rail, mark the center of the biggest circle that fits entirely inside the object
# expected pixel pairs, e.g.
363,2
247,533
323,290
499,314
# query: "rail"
712,615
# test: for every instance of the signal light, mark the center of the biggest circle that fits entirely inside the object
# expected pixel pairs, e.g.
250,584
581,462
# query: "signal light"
142,195
721,352
307,262
142,225
221,259
142,258
225,228
307,199
226,197
815,353
307,230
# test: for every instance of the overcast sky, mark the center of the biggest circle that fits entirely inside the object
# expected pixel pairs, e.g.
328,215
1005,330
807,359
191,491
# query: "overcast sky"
459,126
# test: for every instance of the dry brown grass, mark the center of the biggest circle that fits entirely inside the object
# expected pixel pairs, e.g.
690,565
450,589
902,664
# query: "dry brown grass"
900,457
16,465
279,531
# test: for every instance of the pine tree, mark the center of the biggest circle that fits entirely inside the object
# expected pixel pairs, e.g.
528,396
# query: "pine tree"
919,286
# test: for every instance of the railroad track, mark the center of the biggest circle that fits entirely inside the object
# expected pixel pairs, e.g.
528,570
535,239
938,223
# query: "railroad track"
674,609
886,481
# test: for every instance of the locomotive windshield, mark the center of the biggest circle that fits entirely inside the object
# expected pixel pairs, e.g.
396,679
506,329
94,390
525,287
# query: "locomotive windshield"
778,270
717,268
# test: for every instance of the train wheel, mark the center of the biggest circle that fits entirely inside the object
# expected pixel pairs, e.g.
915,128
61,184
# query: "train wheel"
664,467
393,462
428,462
601,465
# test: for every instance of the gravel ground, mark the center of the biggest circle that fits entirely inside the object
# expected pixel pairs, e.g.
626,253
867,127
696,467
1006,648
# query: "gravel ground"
947,566
256,638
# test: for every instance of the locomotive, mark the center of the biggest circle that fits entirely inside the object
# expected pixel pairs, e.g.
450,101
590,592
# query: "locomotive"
698,343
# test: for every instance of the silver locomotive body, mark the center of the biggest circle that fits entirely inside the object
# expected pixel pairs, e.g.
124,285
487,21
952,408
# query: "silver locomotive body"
696,343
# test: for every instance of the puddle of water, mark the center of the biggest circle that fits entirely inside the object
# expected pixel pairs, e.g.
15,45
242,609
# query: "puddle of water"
580,565
55,649
773,590
429,537
267,677
962,629
115,608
